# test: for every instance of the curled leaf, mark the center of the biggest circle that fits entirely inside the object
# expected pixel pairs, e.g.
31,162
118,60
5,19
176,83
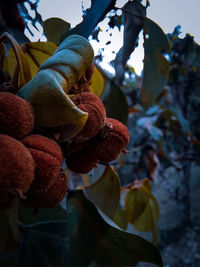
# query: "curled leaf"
22,66
47,91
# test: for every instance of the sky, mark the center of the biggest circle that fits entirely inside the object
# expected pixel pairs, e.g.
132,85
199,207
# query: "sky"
166,13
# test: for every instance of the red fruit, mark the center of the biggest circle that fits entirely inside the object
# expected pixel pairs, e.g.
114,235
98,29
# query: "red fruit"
16,116
16,165
91,104
48,157
81,161
44,144
51,197
109,144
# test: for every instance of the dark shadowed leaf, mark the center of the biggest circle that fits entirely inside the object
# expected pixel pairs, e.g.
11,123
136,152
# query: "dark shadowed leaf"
97,12
116,104
85,237
133,14
54,28
8,227
27,216
105,192
88,232
156,67
43,244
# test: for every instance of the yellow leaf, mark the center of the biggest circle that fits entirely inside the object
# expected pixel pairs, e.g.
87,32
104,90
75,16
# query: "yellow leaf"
120,218
149,218
135,204
37,53
105,192
97,83
17,64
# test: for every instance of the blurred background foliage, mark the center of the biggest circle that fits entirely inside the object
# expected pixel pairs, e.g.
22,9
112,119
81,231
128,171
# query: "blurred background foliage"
161,110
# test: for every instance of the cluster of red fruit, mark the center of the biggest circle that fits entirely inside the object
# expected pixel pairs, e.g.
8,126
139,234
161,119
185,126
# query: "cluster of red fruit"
101,140
29,164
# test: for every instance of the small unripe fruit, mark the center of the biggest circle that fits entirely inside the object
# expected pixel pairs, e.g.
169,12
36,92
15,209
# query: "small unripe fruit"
16,165
111,141
51,197
81,161
16,116
48,157
91,104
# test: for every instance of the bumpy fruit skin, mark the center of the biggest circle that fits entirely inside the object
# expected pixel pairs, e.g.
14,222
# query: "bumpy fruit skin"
16,116
47,156
51,197
44,144
91,104
113,138
16,165
81,161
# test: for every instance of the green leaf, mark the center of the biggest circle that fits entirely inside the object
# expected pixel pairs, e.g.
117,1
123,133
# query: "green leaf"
149,218
116,104
8,227
121,219
54,28
85,237
105,192
135,204
43,244
37,53
26,215
156,67
128,249
91,238
95,14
